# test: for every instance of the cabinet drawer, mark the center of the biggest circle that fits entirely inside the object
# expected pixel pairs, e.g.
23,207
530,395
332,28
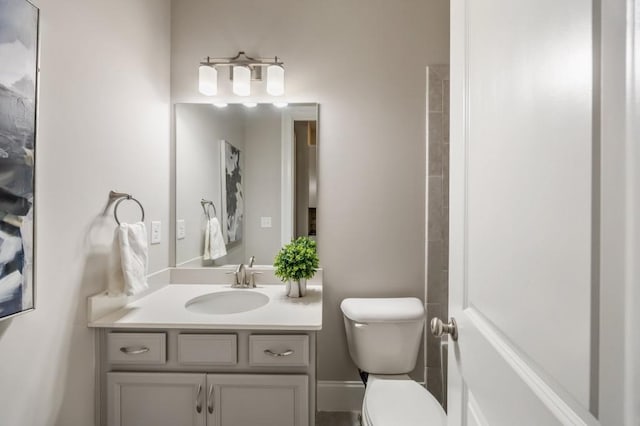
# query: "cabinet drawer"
210,349
137,348
276,350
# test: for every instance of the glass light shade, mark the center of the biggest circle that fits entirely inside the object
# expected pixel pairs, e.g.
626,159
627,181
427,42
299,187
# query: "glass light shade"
275,80
250,104
241,80
221,104
280,104
208,80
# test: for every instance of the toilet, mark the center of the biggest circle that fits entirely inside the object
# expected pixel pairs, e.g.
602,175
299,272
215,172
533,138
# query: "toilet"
384,339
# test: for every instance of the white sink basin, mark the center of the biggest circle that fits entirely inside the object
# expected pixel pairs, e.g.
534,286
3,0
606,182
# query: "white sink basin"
227,302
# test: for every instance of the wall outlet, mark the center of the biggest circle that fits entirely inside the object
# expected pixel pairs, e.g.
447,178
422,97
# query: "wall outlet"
181,229
156,232
265,222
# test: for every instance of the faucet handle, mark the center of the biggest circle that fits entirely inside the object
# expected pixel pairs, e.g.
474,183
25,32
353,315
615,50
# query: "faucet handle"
235,277
252,281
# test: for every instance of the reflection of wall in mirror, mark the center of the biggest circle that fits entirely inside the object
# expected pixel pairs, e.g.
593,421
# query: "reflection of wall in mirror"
199,129
256,133
262,173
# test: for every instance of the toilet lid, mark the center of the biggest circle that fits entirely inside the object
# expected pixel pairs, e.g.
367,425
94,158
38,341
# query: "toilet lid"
394,309
393,402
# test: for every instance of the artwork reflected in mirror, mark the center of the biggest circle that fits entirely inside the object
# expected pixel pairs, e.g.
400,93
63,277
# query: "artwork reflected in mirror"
232,198
18,89
257,166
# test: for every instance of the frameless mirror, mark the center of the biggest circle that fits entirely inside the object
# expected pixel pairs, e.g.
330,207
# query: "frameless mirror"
246,181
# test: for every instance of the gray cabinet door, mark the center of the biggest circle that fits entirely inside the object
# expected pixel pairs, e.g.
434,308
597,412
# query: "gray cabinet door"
158,399
257,400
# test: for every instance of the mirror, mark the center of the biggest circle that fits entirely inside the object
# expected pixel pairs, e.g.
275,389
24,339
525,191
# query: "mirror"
246,181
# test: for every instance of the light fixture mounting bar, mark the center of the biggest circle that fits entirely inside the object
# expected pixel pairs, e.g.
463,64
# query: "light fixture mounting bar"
241,59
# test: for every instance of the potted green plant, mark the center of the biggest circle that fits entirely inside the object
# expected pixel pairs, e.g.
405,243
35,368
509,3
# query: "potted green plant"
295,263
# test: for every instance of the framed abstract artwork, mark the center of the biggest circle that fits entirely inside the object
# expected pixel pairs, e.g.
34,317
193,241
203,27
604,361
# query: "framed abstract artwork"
19,22
232,193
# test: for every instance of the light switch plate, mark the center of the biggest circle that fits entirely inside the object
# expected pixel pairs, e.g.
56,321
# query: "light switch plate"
156,232
181,229
265,222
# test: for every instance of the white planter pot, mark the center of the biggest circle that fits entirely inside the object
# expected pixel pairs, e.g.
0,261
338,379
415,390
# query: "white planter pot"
296,288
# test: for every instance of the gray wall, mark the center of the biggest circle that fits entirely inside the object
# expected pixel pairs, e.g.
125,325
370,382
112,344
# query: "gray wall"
104,123
364,62
199,129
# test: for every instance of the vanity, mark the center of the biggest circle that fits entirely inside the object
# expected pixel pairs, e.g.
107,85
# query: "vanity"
209,354
194,350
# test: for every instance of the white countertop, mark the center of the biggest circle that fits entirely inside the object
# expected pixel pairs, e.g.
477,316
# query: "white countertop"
165,308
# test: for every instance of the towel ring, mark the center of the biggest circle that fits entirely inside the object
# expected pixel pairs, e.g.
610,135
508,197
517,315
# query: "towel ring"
206,203
128,197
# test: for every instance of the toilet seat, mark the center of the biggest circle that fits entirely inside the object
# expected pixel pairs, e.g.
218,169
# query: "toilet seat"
398,400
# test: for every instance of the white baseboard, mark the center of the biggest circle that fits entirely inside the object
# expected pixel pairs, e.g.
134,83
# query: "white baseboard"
340,395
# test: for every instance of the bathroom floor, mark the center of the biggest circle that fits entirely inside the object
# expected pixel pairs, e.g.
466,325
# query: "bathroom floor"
342,418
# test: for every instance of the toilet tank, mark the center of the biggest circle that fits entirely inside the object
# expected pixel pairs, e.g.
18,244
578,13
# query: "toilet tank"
384,334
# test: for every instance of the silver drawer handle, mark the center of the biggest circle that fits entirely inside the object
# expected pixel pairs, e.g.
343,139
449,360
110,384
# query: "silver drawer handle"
277,354
134,350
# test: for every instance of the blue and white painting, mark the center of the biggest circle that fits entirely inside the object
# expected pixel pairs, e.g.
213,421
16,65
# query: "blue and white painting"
18,78
232,195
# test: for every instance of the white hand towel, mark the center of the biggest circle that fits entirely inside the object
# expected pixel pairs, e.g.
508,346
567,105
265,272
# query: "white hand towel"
214,246
206,255
115,279
128,260
134,255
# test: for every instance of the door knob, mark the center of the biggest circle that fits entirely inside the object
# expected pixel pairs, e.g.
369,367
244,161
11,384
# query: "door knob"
438,328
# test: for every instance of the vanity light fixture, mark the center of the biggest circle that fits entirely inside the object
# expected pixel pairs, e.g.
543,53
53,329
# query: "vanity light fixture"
250,104
208,80
241,80
275,80
280,104
242,69
221,104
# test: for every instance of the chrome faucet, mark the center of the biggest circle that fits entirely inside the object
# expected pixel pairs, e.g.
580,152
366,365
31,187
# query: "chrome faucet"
245,278
239,276
250,275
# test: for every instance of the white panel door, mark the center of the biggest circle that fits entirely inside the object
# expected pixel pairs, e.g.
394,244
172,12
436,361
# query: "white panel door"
257,400
158,399
522,219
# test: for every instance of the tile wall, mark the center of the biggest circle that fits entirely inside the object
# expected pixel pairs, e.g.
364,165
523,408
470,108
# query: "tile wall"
438,220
